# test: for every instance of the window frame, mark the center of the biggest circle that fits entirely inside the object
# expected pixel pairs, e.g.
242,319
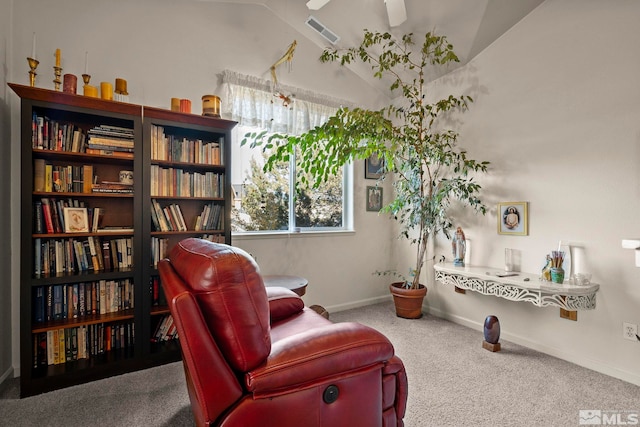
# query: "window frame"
347,198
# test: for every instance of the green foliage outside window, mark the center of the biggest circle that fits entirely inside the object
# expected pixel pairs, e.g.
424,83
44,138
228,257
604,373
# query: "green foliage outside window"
264,204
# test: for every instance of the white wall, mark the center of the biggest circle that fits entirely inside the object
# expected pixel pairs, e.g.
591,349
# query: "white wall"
168,49
5,191
557,113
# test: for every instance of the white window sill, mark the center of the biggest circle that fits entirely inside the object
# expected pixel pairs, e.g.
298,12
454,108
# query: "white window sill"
287,234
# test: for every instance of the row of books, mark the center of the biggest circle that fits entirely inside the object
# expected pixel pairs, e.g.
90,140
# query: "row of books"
49,215
57,178
170,217
71,344
159,250
77,300
50,178
181,149
165,330
216,238
56,256
158,298
114,138
48,134
175,182
211,218
53,135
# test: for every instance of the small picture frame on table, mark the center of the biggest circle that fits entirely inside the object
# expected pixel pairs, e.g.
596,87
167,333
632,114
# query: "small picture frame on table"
374,198
76,220
373,167
513,218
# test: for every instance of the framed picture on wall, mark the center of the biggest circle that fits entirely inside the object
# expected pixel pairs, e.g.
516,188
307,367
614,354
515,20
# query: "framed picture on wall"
513,218
374,198
373,167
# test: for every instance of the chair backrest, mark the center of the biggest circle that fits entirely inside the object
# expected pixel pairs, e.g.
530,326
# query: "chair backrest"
228,287
213,386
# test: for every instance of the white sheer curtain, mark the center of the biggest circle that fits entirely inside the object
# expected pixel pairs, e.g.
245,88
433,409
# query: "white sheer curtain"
252,101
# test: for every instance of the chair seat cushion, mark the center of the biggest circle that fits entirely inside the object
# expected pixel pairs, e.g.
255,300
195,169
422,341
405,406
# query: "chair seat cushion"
318,352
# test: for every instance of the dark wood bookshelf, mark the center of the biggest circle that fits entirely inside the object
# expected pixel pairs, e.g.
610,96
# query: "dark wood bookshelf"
131,210
191,127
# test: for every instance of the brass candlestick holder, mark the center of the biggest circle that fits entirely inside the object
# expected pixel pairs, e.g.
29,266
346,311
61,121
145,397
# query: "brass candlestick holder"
86,78
33,64
58,72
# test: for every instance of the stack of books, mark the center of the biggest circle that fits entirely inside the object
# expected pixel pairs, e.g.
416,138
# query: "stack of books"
110,140
112,187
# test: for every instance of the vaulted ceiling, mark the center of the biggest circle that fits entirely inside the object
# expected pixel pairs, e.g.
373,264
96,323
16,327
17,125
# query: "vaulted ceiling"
470,25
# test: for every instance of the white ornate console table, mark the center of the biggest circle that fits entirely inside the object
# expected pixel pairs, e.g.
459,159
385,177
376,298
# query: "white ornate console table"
520,287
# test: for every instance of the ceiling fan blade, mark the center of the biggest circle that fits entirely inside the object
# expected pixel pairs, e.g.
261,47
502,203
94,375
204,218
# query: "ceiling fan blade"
397,12
316,4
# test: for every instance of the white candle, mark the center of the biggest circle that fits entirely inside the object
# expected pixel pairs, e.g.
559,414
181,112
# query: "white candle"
86,63
33,47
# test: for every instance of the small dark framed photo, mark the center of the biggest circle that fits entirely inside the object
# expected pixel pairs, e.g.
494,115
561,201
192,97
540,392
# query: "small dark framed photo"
373,167
374,198
75,220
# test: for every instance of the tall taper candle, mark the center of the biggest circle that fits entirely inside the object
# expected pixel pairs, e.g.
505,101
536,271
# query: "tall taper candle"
86,62
57,57
33,47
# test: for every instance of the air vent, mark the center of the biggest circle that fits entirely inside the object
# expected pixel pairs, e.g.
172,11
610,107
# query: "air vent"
324,31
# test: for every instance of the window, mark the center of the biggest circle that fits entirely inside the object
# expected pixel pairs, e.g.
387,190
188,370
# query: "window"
263,202
277,201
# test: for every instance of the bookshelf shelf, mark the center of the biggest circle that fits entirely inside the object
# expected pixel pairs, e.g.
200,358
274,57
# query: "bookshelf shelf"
82,195
156,311
187,233
73,151
52,154
83,276
186,198
92,234
86,320
204,166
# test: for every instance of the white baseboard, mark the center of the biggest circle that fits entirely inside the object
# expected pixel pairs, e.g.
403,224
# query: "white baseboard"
593,364
359,303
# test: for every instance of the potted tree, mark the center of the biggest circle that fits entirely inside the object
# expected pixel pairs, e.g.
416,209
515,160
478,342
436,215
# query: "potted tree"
422,157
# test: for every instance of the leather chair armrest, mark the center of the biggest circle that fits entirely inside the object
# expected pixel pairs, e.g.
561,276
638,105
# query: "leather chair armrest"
316,354
283,303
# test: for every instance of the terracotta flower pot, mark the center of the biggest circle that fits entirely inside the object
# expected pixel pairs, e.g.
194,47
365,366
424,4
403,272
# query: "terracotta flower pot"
408,301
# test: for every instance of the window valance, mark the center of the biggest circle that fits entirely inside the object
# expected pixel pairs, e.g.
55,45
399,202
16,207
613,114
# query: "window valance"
252,101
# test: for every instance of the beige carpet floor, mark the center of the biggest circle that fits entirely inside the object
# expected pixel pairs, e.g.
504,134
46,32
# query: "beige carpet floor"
452,382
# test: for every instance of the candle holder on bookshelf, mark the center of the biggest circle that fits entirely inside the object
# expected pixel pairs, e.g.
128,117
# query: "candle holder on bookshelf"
86,78
33,64
57,72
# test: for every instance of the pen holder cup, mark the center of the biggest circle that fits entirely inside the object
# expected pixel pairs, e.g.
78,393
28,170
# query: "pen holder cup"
557,275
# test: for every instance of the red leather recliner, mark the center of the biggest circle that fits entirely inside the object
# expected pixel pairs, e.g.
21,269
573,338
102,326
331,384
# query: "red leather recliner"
255,356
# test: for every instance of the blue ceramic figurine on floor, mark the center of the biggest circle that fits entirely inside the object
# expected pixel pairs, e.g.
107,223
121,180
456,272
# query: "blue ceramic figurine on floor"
459,246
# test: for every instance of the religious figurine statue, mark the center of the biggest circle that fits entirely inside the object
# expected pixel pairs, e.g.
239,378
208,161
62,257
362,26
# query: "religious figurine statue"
546,269
459,245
